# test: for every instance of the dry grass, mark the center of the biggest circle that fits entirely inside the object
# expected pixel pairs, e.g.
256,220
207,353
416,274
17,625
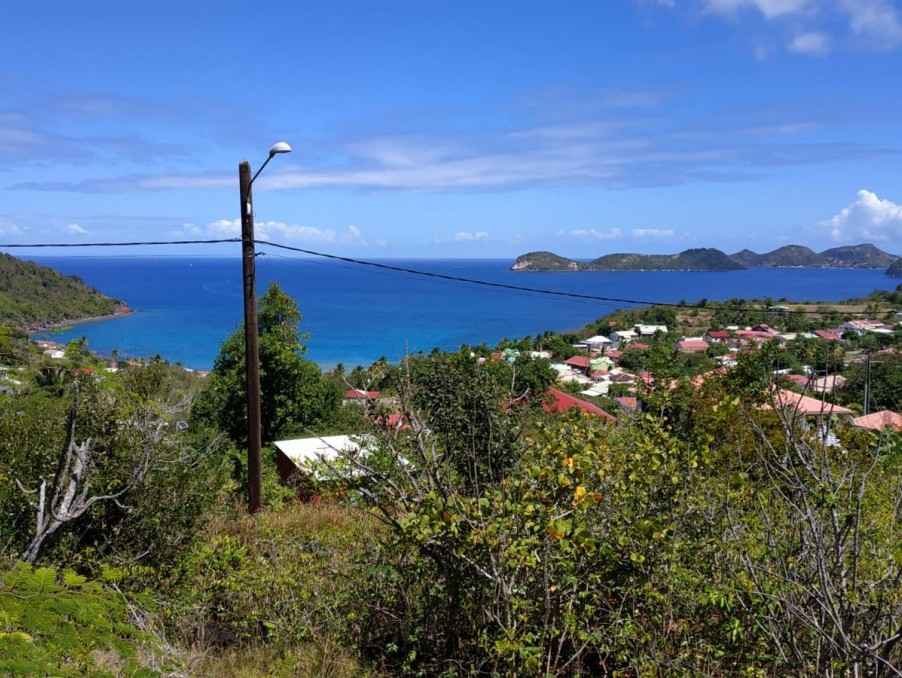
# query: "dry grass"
295,517
311,661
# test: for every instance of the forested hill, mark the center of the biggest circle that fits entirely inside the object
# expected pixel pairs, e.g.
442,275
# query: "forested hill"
698,259
34,296
797,256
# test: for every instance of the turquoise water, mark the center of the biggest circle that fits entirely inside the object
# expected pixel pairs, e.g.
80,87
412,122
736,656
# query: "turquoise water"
184,307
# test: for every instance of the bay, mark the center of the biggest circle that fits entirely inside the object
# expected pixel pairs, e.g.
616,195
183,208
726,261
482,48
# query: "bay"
185,306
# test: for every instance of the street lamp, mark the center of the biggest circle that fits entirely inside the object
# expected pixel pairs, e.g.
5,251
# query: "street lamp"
251,348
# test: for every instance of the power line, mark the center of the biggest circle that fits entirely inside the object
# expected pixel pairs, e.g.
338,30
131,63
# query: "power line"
405,270
506,286
121,244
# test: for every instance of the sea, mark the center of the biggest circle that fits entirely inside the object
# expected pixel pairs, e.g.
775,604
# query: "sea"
354,314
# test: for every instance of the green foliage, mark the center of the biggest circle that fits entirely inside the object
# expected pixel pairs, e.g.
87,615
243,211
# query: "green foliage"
295,398
694,259
131,421
62,625
287,580
885,383
467,405
544,261
36,296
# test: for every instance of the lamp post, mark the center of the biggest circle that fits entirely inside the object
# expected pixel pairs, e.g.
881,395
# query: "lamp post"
251,347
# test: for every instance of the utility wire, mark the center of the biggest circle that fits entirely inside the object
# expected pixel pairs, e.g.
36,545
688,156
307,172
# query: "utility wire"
506,286
123,244
400,269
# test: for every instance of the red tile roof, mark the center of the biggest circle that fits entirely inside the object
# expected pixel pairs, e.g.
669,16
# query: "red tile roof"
577,361
628,402
359,394
691,346
805,404
880,420
561,402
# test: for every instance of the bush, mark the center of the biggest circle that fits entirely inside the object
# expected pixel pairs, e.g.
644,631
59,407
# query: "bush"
62,625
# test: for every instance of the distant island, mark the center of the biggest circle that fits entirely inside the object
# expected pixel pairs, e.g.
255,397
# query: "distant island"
797,256
697,259
34,297
710,259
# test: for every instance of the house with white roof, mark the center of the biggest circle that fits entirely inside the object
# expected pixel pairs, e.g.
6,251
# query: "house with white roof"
299,455
650,330
623,336
596,343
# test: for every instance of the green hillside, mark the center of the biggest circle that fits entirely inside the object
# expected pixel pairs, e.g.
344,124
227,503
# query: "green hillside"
858,256
895,269
797,256
36,296
791,256
544,261
697,259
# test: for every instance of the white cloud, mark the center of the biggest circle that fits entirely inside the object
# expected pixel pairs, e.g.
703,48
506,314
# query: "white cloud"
610,234
813,43
9,228
769,8
652,233
75,229
461,236
278,231
868,217
875,24
875,21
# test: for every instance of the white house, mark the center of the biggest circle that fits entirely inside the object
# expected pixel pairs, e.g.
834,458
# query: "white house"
597,342
650,330
623,336
296,456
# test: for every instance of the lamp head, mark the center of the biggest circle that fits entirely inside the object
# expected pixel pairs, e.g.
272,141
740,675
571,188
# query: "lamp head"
279,147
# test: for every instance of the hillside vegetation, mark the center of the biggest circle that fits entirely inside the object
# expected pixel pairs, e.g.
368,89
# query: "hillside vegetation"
36,296
697,259
707,532
710,259
544,261
797,256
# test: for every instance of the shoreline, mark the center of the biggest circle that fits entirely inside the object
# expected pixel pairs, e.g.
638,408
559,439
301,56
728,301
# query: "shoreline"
122,310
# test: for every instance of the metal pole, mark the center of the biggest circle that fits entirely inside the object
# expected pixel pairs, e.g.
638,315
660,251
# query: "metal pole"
251,348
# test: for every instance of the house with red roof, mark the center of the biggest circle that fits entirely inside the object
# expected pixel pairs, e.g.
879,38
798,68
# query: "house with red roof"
578,362
629,403
805,405
691,346
827,335
717,336
879,421
559,401
754,336
359,396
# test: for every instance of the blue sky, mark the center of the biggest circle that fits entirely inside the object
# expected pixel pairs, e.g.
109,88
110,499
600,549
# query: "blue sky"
455,129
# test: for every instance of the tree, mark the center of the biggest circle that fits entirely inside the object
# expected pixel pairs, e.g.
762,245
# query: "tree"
294,396
884,383
101,470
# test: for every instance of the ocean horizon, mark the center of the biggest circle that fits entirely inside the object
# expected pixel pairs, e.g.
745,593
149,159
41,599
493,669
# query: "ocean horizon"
184,306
